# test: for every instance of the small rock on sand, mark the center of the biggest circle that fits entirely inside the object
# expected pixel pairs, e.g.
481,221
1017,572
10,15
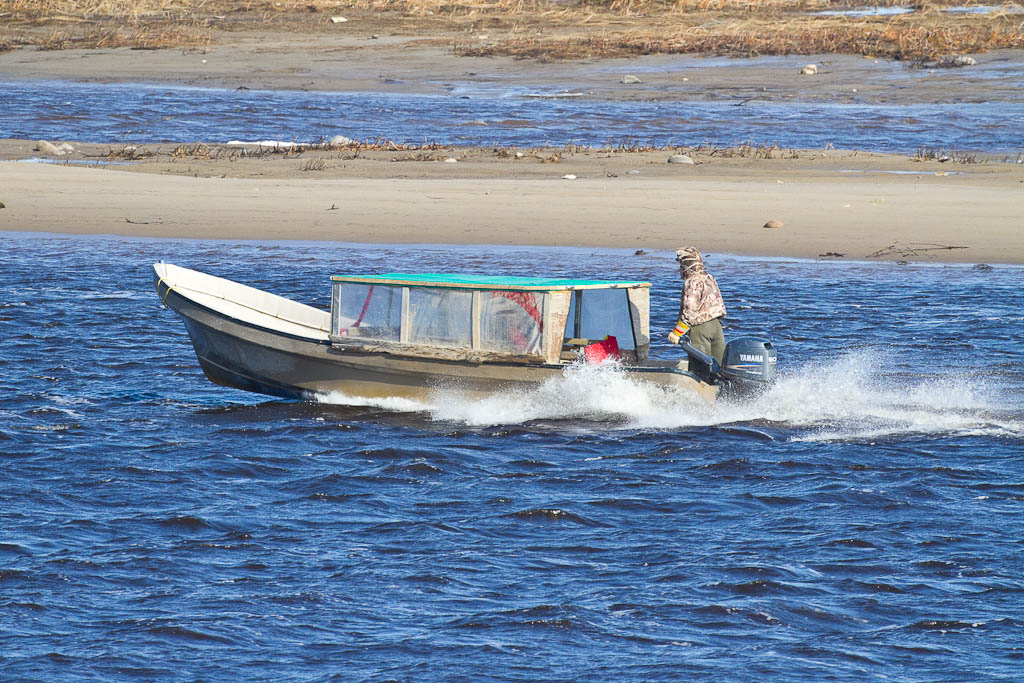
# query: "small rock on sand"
451,160
809,70
568,176
2,205
519,155
52,149
680,159
773,224
338,20
630,79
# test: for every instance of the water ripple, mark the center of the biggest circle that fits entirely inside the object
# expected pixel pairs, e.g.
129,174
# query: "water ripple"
851,524
91,112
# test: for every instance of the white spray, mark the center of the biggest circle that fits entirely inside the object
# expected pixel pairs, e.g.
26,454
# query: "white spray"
844,399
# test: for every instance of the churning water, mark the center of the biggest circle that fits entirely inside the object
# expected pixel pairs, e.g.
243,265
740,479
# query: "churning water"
497,115
861,521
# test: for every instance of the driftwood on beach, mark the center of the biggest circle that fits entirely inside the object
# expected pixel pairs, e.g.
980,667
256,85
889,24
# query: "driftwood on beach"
904,250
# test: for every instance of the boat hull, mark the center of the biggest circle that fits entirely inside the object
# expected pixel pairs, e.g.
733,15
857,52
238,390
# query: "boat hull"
244,356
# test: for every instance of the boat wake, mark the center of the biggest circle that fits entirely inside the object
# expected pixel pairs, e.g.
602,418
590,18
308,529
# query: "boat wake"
848,398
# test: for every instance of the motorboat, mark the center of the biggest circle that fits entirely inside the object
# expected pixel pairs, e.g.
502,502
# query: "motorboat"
411,334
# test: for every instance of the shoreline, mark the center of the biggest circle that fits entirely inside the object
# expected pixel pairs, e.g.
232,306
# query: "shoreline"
628,252
719,206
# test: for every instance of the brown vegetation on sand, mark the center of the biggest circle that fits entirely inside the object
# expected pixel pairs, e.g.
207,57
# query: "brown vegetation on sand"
62,24
537,29
892,39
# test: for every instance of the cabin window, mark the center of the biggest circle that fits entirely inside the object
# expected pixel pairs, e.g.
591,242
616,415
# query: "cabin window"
440,316
597,313
367,311
512,322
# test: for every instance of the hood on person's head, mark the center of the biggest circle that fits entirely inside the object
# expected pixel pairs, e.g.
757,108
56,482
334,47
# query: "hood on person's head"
690,261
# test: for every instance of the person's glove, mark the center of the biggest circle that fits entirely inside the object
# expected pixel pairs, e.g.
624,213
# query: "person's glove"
678,331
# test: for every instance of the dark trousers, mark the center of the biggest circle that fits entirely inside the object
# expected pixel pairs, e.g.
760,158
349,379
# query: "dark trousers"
708,337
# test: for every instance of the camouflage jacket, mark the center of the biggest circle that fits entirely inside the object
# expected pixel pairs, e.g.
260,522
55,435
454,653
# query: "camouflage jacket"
702,299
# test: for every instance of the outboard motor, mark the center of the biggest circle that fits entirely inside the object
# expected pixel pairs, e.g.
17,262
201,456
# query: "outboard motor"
748,366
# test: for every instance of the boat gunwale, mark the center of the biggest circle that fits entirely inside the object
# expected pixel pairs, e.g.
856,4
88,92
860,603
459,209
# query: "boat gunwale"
238,321
162,277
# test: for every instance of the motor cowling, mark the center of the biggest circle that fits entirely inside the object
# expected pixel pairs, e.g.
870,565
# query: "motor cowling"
749,363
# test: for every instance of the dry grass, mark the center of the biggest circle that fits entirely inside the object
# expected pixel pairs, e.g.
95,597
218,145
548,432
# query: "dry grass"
129,153
198,151
195,150
942,155
748,150
146,25
139,38
895,39
317,164
318,156
595,8
535,29
148,10
571,10
622,28
141,24
629,145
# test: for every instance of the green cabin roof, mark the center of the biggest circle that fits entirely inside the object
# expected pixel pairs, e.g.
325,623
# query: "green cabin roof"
461,281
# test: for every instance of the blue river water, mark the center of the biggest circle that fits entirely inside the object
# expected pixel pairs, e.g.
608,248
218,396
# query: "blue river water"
859,522
140,113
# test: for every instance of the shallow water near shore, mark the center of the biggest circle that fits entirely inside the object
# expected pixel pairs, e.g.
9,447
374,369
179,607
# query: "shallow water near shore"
473,114
854,523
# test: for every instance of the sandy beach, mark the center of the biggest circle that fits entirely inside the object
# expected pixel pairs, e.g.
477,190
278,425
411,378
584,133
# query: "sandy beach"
858,210
847,202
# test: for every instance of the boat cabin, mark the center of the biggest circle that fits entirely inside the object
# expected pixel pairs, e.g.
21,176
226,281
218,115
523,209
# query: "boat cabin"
489,318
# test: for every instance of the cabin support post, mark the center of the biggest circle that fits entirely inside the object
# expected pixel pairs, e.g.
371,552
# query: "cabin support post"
640,317
556,312
477,305
335,309
403,332
577,323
